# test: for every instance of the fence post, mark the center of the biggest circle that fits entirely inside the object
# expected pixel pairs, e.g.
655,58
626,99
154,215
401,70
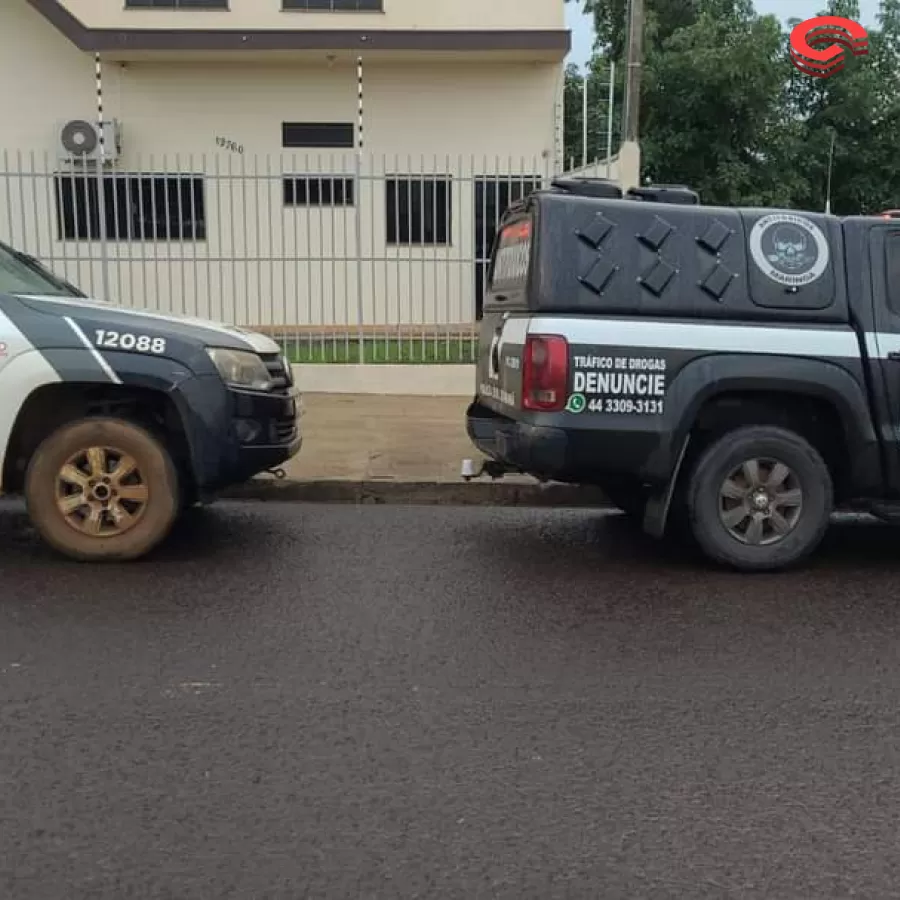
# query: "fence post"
358,225
359,259
101,193
101,215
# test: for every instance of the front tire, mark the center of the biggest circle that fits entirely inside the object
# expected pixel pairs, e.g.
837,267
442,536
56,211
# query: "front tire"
102,489
759,499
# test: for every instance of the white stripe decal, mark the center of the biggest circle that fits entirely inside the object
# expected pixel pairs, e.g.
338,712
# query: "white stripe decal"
882,344
515,331
873,345
788,341
256,341
23,369
93,350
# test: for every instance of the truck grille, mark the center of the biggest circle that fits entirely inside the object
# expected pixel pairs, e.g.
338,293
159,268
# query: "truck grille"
280,373
283,432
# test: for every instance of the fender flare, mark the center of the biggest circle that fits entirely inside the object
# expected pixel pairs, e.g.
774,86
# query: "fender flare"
149,375
704,379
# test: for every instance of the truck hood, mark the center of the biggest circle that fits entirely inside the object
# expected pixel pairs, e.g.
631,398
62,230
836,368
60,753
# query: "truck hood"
190,326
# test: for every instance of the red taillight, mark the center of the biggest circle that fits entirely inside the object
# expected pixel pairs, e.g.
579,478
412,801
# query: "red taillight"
519,231
545,375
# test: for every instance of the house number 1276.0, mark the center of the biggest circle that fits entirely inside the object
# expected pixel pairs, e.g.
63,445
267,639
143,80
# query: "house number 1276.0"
233,146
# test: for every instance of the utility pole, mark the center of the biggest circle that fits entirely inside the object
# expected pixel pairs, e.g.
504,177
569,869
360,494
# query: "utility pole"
610,103
830,170
633,76
584,117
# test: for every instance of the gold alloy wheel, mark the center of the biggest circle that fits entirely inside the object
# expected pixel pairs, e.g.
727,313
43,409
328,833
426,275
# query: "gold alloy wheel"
100,492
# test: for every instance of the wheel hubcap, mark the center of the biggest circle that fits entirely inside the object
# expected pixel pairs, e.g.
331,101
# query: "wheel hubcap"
100,492
760,502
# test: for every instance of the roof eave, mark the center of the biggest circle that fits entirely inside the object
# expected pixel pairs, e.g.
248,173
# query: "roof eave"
99,40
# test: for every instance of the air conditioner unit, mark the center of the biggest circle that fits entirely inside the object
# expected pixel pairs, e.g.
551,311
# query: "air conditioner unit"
79,141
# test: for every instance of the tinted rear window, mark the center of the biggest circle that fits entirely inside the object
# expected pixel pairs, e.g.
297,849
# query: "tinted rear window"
512,253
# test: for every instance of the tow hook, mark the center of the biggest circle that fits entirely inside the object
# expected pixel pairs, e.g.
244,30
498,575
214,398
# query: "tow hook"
489,467
277,473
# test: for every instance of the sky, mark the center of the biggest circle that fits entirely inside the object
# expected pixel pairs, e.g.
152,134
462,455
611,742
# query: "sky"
582,31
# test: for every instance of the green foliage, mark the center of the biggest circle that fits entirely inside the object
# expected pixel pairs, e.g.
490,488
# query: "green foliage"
724,111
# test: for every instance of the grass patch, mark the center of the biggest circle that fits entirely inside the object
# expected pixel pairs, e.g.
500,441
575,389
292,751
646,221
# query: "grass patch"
431,351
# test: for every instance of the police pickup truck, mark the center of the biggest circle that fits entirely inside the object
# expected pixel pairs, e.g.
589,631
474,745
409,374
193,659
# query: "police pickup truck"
114,420
732,374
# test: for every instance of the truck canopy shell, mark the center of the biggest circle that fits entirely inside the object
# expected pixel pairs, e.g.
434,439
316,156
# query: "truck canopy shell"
593,255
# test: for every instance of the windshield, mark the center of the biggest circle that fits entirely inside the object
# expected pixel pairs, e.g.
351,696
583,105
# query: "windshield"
22,274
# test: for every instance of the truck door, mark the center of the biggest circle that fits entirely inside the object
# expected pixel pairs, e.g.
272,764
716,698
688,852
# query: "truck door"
883,342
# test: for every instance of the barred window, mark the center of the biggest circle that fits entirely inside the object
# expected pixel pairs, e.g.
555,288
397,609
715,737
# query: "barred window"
133,207
419,210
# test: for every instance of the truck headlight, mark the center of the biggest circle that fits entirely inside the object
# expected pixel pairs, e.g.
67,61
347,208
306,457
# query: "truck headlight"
240,368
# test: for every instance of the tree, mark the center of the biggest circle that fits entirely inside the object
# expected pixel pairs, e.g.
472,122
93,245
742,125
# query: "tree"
856,112
724,111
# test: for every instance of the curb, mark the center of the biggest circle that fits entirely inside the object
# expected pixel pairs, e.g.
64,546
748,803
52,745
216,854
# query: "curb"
418,493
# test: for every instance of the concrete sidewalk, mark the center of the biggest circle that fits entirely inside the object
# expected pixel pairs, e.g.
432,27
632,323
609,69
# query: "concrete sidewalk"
396,449
363,437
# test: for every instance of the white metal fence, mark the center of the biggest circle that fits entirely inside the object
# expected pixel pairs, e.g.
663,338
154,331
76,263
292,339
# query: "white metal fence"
340,257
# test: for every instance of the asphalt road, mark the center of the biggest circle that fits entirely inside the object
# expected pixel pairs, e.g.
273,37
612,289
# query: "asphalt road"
384,702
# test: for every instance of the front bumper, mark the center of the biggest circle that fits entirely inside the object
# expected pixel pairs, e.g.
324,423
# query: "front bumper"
233,434
264,432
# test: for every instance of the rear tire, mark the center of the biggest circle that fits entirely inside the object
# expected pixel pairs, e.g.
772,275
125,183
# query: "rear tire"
759,499
102,489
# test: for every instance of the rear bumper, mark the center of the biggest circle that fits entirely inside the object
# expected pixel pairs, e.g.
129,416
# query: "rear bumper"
564,454
533,449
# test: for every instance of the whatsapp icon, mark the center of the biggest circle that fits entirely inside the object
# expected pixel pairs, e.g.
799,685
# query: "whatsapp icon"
576,403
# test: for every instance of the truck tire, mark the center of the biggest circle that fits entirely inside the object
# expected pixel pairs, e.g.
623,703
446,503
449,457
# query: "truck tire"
102,489
759,499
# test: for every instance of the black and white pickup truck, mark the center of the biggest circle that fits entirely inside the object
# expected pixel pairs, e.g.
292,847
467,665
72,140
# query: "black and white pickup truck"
729,373
114,420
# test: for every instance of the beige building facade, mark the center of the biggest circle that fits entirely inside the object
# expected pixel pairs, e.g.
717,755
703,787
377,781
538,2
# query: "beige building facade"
234,179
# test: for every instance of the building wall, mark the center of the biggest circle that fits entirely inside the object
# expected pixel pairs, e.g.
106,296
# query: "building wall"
266,14
262,262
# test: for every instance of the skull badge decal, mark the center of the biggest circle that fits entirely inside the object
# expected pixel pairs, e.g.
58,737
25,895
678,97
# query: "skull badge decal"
789,249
